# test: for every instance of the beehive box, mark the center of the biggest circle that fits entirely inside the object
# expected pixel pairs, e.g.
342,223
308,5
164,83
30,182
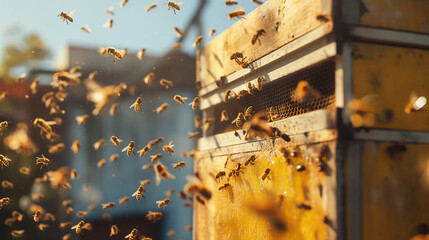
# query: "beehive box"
363,179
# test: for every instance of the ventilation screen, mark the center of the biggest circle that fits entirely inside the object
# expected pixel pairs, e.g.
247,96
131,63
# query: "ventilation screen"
307,90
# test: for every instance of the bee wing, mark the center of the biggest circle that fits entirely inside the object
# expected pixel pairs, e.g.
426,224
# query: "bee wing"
179,3
158,202
157,176
125,149
184,98
74,227
128,236
50,123
132,105
134,194
71,13
235,120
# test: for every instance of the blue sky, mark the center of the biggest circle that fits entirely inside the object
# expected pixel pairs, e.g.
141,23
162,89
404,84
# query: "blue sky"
133,27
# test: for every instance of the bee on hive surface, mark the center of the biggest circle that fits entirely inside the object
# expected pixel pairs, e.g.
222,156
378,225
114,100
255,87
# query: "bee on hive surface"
174,5
166,83
198,41
163,203
148,79
122,4
108,205
194,104
323,18
220,175
154,216
4,161
130,148
259,83
250,88
238,169
141,53
123,200
162,172
238,120
228,94
114,230
179,165
250,160
180,99
168,148
239,58
139,193
235,14
230,3
265,174
248,113
303,206
242,93
109,23
300,168
115,141
78,227
137,104
113,109
200,200
258,33
212,32
43,161
226,186
150,7
86,29
66,17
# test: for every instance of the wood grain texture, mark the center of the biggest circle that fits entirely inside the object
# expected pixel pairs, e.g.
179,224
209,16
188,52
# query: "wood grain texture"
283,22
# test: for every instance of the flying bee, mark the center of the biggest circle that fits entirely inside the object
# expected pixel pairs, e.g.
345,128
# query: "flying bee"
123,3
161,108
259,82
179,165
150,7
133,235
198,41
145,182
154,216
123,200
4,201
141,53
113,109
220,175
148,79
66,17
101,163
248,113
162,172
108,205
163,203
43,161
257,2
179,33
115,53
65,225
235,14
82,119
180,99
171,233
115,141
81,214
78,227
212,32
86,29
37,196
415,104
238,120
195,103
304,92
258,33
99,144
130,148
110,11
3,126
6,184
200,200
4,161
155,157
24,170
230,3
238,169
17,233
226,186
168,148
143,151
36,216
75,146
137,104
197,121
224,116
250,160
174,5
139,193
74,174
265,174
147,166
166,83
109,23
114,230
56,148
193,135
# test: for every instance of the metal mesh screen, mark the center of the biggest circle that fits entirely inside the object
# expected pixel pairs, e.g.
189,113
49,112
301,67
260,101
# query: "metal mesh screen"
307,90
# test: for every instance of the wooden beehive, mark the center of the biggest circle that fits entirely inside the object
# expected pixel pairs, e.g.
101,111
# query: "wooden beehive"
374,183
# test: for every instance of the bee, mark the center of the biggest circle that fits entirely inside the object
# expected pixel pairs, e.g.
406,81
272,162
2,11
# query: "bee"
147,166
155,157
171,233
137,104
115,141
162,172
239,120
69,210
154,216
66,16
145,182
123,200
141,53
6,184
133,235
265,174
250,160
85,187
303,206
85,28
220,175
108,205
4,161
193,135
166,83
259,82
37,196
148,79
81,214
78,227
188,227
168,148
248,113
225,186
257,2
150,7
176,46
24,170
74,174
17,233
139,193
174,5
304,92
230,3
101,163
36,216
110,11
179,33
415,104
250,88
322,18
163,203
212,32
3,126
242,93
123,3
198,41
43,125
169,193
235,14
188,204
82,119
228,95
161,108
130,148
4,201
115,53
300,168
143,151
183,195
99,144
3,95
43,161
258,33
179,165
200,200
113,109
180,99
75,146
238,169
195,103
64,225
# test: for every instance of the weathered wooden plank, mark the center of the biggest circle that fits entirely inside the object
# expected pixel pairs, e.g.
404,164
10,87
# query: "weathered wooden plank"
283,22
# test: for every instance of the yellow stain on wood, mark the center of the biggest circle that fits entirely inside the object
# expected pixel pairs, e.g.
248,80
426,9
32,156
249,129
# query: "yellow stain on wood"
393,73
410,15
395,190
231,214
